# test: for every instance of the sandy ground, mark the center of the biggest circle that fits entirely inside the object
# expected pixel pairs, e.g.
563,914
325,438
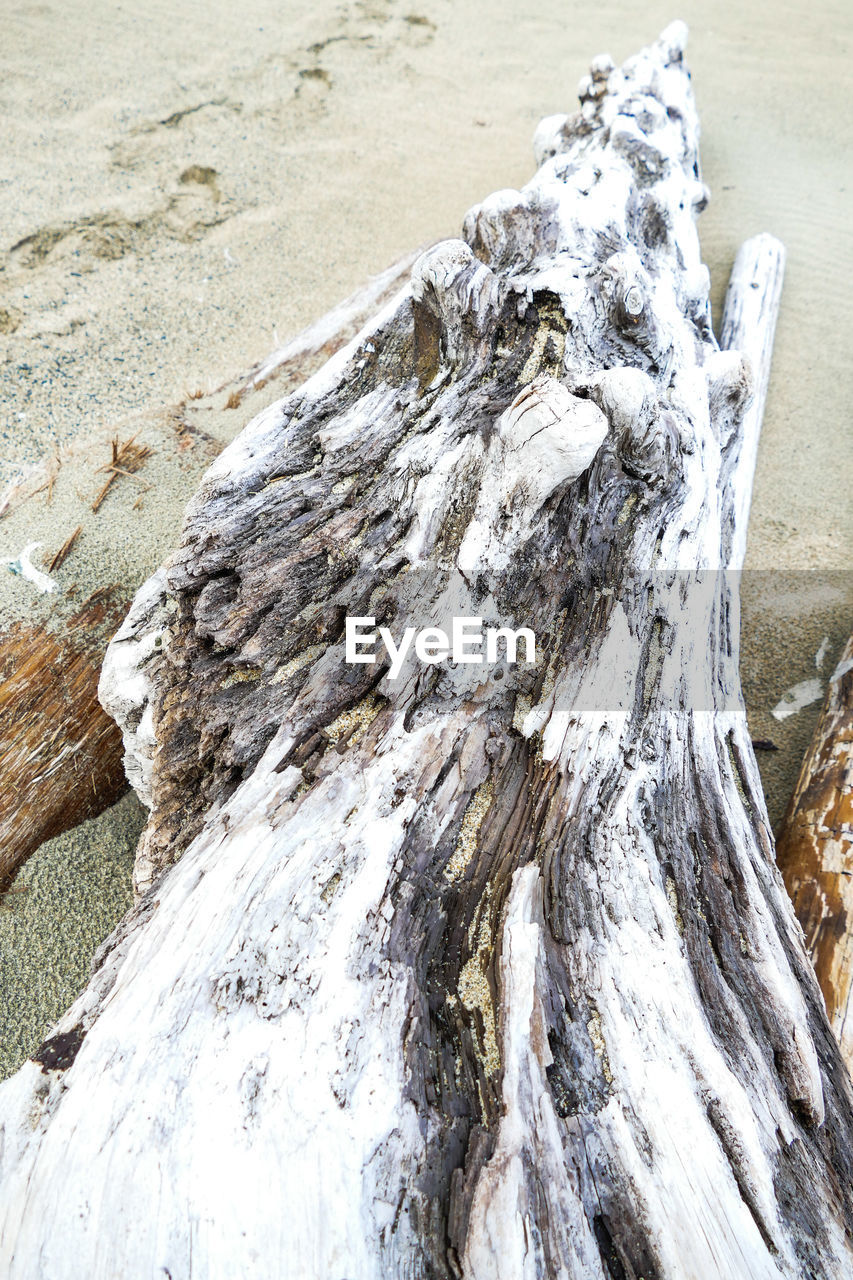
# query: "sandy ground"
185,186
80,882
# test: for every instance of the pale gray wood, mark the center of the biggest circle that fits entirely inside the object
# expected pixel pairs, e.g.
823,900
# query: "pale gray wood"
749,327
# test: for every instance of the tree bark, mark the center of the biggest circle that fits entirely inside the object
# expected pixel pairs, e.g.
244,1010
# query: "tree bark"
815,850
481,972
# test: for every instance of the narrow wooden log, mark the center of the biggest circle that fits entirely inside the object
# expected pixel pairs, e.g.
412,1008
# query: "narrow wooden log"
815,850
464,972
749,327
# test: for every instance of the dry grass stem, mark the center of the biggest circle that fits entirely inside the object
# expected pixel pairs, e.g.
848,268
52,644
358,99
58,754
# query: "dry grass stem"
61,554
126,459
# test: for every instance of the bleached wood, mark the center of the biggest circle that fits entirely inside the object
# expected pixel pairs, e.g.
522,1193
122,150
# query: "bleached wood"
749,327
457,975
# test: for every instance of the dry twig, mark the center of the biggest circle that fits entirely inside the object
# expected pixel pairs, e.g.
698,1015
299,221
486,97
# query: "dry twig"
61,554
126,459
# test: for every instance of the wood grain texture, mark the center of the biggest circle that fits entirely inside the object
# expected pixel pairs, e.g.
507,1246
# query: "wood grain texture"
61,754
815,850
749,326
469,973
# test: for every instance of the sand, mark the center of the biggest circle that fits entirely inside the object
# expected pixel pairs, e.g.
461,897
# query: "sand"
68,898
186,186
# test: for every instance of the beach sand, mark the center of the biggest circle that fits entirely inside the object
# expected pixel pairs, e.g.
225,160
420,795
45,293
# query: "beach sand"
80,883
185,187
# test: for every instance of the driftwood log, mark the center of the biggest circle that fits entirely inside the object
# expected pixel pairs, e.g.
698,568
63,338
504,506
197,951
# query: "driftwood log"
815,850
482,971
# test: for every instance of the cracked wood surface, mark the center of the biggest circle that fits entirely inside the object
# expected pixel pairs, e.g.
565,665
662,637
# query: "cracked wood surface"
481,974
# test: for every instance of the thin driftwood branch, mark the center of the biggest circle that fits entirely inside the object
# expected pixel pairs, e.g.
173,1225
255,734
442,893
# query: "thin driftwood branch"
749,326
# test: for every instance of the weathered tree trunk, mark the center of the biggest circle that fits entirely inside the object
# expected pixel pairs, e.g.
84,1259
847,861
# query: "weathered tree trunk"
482,972
815,850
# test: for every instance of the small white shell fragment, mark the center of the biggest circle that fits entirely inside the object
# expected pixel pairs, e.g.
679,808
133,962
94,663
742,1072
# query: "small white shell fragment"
798,696
25,568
